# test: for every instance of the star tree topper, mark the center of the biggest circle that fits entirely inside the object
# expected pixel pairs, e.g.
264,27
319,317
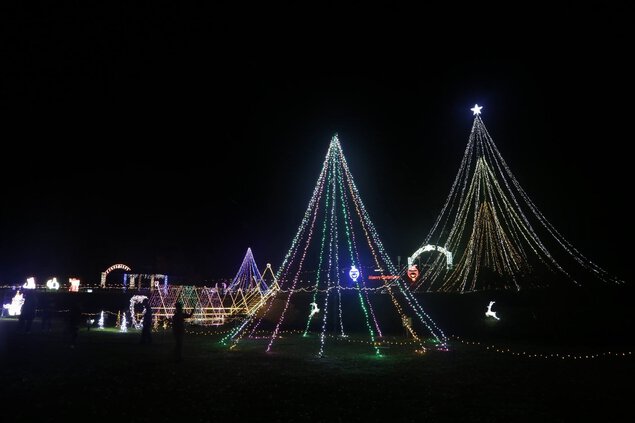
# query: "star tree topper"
476,109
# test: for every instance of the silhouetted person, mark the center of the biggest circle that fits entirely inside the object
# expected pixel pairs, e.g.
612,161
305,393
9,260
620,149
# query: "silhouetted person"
178,329
28,310
47,316
74,317
146,331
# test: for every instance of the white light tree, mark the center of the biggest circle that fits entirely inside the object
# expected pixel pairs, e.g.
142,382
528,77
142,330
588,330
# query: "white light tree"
495,233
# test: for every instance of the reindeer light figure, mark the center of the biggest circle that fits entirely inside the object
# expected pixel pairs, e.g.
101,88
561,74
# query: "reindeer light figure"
489,312
314,309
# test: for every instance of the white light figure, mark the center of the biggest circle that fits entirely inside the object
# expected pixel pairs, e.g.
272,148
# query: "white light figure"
124,324
30,283
314,309
74,284
353,273
101,320
15,308
136,299
476,109
489,312
52,284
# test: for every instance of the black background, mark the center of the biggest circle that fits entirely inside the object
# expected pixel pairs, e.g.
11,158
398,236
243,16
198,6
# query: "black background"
171,138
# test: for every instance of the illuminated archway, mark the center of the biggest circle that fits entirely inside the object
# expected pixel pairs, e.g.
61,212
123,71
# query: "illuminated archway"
429,247
110,269
137,299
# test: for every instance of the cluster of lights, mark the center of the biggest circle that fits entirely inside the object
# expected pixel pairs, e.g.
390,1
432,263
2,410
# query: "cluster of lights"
490,222
212,305
124,324
74,284
15,307
29,284
118,266
53,284
448,254
136,299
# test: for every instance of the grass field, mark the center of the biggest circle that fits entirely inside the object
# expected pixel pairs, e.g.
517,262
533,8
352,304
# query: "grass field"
110,377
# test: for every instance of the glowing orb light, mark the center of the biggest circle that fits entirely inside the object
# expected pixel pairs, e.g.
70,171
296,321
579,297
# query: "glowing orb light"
353,273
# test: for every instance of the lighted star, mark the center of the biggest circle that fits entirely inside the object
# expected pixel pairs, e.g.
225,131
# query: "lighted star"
476,109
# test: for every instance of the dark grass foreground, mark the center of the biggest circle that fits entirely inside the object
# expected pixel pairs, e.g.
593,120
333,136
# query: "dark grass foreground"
110,377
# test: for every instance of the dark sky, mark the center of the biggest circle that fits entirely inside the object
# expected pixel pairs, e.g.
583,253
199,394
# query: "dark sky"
172,139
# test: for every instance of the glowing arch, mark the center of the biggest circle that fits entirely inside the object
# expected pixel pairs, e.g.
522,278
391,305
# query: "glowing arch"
110,269
429,247
136,299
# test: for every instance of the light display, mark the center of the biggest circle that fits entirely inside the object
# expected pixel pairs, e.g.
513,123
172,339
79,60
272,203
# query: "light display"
448,254
136,299
314,309
15,307
74,284
100,322
110,269
53,284
546,355
353,273
124,324
489,312
248,276
493,235
336,233
413,272
29,284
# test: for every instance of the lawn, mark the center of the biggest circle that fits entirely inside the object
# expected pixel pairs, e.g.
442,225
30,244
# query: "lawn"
110,377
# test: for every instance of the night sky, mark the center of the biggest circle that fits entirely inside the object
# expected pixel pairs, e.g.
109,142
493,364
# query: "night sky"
172,140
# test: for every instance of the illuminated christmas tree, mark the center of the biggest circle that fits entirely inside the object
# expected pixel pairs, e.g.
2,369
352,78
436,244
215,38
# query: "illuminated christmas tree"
336,253
124,324
248,276
100,322
491,235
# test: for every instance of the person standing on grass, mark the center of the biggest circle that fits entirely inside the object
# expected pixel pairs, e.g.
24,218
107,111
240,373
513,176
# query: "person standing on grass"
74,316
146,330
178,329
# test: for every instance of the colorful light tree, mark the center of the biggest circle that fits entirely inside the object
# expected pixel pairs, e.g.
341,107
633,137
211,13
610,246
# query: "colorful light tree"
496,233
248,276
335,249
